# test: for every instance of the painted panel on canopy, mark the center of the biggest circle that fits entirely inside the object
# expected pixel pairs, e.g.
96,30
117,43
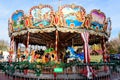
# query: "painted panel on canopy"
41,16
18,20
73,15
98,19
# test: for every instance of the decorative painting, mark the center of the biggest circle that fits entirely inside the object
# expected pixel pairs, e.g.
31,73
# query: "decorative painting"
41,16
68,18
87,21
28,21
17,20
74,15
98,19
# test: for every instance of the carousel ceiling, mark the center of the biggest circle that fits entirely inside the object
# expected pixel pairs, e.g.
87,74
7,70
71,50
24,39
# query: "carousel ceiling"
69,20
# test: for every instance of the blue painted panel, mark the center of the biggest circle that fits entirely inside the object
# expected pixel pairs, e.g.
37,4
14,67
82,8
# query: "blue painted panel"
94,25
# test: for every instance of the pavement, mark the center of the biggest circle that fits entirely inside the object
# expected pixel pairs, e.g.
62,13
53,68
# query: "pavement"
113,76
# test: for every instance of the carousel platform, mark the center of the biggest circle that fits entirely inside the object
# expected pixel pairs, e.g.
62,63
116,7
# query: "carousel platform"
64,76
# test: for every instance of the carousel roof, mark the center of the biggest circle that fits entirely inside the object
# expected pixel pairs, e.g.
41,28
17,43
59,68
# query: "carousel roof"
70,20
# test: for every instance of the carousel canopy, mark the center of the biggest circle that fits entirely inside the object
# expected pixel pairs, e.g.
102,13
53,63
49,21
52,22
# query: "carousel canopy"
70,20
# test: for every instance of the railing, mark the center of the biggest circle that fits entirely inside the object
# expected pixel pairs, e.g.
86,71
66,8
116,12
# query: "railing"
72,70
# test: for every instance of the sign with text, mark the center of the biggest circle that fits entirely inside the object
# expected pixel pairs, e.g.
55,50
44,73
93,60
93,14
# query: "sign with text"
58,70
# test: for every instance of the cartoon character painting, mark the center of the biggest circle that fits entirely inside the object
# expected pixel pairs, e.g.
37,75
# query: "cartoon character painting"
41,16
18,21
98,19
74,16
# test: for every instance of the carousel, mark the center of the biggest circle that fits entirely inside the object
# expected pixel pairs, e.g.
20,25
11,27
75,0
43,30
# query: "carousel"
67,35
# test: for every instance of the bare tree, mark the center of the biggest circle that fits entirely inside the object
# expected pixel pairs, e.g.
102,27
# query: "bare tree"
114,45
3,45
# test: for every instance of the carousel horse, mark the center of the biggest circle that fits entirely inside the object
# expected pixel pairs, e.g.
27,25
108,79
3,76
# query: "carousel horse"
73,55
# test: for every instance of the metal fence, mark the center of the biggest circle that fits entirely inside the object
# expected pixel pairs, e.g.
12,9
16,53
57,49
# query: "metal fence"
73,70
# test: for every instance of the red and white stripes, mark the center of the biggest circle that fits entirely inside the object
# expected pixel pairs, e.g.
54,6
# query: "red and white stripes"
27,44
105,56
11,49
85,37
104,49
56,41
12,43
56,44
28,37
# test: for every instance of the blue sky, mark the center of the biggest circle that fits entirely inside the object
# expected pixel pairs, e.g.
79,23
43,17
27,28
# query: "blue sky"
110,7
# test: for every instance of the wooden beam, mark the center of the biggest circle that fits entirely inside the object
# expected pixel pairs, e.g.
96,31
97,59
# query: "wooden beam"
47,35
40,36
70,37
37,40
63,35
